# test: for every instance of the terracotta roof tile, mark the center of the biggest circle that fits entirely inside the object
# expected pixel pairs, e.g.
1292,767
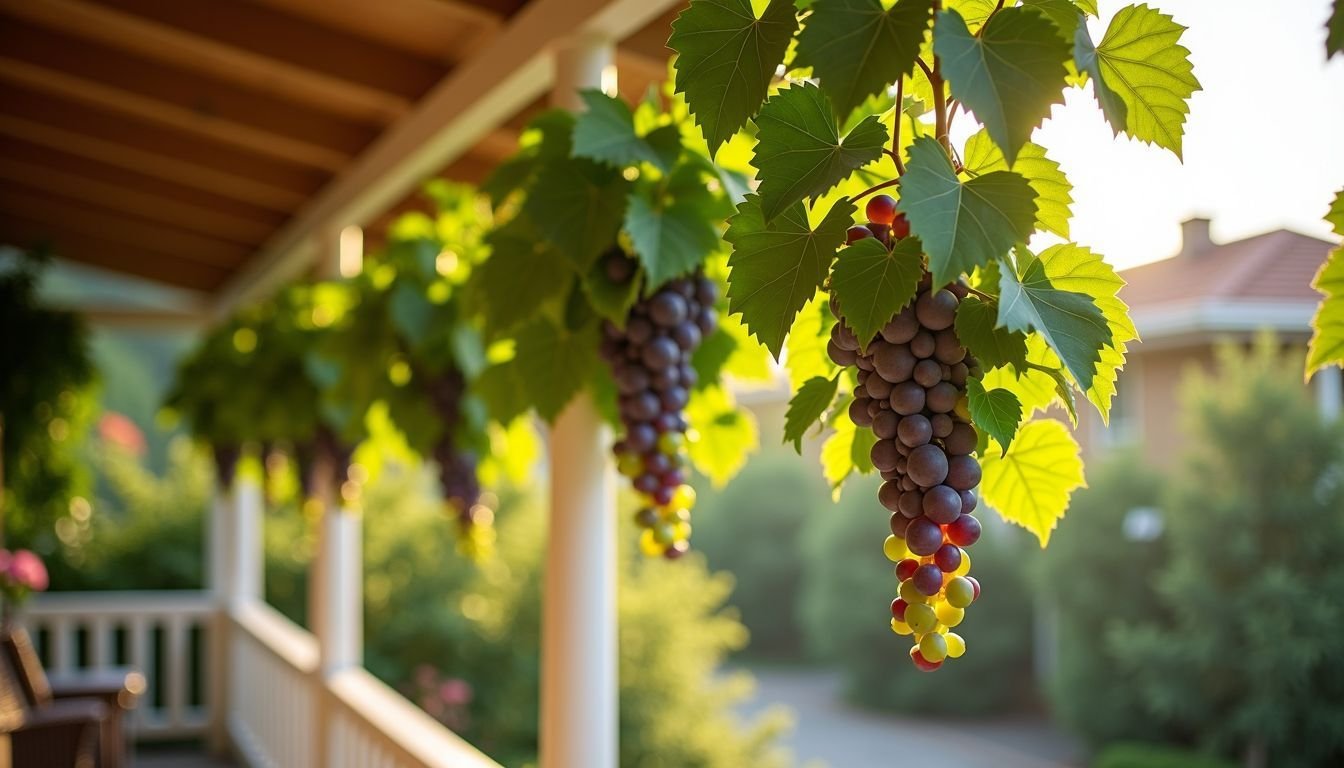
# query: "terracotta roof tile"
1275,266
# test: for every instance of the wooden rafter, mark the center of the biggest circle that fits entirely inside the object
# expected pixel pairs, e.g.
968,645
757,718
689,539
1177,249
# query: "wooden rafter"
432,29
252,46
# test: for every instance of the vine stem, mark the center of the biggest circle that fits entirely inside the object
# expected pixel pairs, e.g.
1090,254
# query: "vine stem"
980,293
896,129
875,188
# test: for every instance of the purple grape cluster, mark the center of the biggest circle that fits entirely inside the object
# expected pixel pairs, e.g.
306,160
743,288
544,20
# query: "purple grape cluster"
650,359
912,394
458,481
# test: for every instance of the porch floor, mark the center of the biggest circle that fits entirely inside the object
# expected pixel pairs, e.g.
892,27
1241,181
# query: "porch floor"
177,757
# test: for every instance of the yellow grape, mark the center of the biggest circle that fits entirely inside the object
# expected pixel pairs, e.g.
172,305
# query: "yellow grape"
949,614
901,628
965,566
648,544
955,645
920,618
894,549
912,595
683,498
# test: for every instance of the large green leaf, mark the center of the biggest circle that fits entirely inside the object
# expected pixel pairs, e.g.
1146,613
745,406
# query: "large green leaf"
605,132
1141,75
552,363
577,210
726,57
1335,216
873,284
1075,268
1327,327
857,49
978,330
805,354
1334,30
995,412
1071,322
806,408
670,241
523,274
1031,483
1008,75
726,435
1065,14
1052,187
963,226
776,268
799,152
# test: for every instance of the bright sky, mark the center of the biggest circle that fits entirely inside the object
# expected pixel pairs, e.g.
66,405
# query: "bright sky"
1264,141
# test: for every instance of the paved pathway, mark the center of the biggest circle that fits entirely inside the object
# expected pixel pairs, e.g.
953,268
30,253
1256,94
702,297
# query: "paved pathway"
828,732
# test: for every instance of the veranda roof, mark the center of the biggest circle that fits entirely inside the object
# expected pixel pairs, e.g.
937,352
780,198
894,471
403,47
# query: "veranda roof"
211,145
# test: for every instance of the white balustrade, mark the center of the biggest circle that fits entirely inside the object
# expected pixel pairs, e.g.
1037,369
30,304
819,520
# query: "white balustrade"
151,631
280,705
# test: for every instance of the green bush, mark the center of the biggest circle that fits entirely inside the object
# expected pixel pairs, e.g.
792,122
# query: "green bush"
1131,755
753,529
847,591
1095,579
1244,650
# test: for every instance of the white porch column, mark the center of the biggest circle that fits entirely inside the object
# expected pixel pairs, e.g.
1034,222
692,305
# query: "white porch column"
246,571
218,581
578,634
337,614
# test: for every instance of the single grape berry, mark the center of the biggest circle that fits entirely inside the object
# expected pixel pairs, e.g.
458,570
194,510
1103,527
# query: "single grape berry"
881,209
855,234
900,227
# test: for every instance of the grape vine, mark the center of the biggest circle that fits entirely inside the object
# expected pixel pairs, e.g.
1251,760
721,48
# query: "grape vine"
948,330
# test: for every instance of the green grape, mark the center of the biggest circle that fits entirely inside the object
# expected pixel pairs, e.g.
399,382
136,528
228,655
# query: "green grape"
933,647
960,593
911,594
920,618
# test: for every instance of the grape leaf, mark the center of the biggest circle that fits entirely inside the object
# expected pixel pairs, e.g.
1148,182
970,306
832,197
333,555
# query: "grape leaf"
995,412
1075,268
1009,75
1334,30
1327,335
1087,6
1030,484
1052,187
726,58
1064,13
872,284
977,329
799,152
857,49
577,210
975,12
1335,217
670,241
606,133
727,434
805,353
1070,322
552,364
806,408
500,388
1141,66
845,451
963,226
776,268
523,267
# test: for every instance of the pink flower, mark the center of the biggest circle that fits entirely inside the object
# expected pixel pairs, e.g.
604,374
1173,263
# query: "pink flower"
26,569
115,428
455,692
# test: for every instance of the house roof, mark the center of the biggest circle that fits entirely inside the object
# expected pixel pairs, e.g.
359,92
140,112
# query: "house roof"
1259,282
203,145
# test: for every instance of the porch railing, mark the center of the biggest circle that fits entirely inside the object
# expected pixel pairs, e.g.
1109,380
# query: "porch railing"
281,712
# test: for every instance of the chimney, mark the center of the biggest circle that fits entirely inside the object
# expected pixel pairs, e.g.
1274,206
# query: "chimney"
1195,236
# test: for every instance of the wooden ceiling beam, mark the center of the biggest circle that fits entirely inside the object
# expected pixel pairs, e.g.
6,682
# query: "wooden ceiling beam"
98,252
203,95
260,49
437,30
64,215
228,132
126,134
106,176
166,210
151,164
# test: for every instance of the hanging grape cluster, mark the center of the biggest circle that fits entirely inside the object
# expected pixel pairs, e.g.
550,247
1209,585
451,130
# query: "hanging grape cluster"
458,482
912,393
650,359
